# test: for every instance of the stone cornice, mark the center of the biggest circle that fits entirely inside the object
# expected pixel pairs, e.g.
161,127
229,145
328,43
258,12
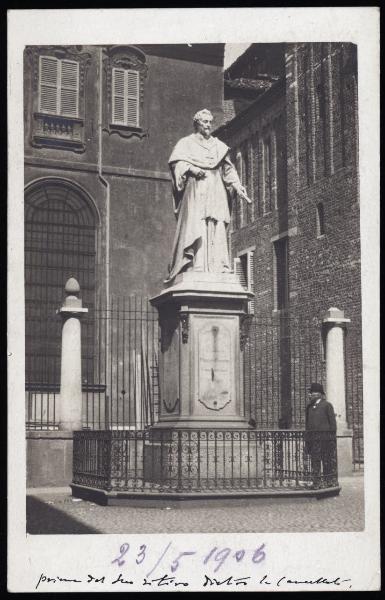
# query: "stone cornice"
67,165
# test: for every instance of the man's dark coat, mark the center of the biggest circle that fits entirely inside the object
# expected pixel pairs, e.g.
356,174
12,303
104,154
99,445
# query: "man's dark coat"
320,417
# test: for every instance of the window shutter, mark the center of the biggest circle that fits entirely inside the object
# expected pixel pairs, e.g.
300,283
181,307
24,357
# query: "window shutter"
48,85
250,279
132,98
237,268
118,78
240,269
69,88
125,97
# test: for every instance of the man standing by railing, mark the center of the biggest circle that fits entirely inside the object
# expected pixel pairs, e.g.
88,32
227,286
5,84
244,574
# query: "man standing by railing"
320,439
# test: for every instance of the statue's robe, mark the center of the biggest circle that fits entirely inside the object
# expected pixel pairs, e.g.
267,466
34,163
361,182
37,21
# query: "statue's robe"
202,206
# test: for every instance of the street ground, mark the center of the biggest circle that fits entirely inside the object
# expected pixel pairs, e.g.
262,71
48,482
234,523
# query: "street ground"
55,511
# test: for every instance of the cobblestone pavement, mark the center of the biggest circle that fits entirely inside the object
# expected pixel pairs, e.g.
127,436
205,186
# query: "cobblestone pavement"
55,511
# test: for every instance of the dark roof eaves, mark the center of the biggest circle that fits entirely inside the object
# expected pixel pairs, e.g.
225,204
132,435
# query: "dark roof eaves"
256,86
235,121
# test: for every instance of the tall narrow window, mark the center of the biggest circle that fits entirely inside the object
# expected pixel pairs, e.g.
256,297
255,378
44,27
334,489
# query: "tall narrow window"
319,100
58,86
273,170
261,182
304,116
267,175
239,164
247,180
125,97
244,268
254,175
281,283
320,220
320,97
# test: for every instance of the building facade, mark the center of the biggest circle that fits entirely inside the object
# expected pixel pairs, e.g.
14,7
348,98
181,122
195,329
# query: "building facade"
100,124
298,245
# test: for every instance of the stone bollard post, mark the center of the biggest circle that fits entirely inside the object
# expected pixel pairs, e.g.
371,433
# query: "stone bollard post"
71,379
334,323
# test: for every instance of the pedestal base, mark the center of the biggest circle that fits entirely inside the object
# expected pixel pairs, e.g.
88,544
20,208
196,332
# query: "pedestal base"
201,318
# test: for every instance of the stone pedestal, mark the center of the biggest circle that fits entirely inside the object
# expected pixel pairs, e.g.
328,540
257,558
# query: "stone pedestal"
203,319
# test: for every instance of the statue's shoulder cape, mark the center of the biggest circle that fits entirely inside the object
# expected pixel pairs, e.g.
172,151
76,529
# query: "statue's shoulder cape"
190,150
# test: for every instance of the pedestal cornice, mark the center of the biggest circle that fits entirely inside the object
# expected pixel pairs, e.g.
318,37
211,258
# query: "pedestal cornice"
193,285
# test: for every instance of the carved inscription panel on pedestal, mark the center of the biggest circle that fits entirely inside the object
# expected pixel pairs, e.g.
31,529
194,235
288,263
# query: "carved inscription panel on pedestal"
214,366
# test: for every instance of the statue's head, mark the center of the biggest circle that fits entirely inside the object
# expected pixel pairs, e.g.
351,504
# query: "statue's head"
202,121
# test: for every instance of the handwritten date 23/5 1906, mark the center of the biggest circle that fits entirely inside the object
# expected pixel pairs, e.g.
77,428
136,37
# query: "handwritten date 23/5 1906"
173,559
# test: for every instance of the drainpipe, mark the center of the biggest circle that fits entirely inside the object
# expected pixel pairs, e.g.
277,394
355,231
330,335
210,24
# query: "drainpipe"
102,179
107,188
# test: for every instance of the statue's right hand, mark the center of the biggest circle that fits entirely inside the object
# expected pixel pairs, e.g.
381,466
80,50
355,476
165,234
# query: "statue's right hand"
198,173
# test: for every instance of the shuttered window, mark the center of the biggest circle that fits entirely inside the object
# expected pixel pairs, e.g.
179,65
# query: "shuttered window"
125,97
58,86
267,175
240,268
244,268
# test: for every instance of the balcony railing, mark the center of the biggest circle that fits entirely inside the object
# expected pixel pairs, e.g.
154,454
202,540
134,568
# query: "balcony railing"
57,131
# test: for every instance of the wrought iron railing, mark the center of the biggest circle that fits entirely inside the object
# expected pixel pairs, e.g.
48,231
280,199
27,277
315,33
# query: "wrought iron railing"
123,361
209,461
282,356
119,367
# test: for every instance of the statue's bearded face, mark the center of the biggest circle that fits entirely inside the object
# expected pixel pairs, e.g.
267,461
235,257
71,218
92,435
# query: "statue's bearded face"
204,126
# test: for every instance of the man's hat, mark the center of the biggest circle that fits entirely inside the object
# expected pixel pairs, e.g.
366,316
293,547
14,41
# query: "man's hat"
317,387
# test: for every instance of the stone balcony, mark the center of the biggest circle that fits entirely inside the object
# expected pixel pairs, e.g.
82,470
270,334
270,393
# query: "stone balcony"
60,132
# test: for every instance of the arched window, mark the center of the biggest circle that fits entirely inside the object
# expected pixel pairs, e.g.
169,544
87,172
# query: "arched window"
320,220
60,242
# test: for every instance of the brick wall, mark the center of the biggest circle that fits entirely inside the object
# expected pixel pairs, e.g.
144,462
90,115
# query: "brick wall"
313,114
